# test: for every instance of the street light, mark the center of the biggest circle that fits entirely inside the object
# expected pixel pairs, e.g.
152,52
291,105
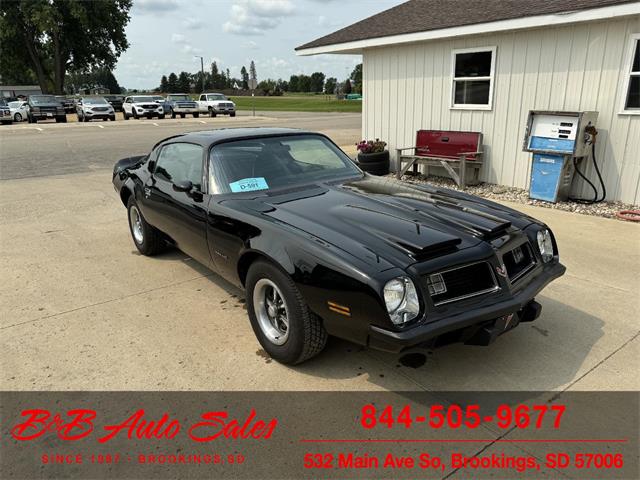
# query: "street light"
201,69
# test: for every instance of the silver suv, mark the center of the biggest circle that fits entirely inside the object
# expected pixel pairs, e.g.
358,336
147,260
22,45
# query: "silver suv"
91,108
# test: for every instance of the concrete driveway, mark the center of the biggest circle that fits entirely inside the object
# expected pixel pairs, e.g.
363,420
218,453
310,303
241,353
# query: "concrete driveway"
80,309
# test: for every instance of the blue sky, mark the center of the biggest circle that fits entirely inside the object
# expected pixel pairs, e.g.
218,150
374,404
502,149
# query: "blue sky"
166,34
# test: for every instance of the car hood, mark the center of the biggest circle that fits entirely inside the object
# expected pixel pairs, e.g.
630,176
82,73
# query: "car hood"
384,219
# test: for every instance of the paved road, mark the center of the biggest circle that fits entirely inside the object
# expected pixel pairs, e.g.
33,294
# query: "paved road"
48,148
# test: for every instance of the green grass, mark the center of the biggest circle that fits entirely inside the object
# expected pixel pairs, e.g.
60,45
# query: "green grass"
311,103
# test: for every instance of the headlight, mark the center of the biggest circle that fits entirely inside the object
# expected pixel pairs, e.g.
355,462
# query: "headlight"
545,245
401,299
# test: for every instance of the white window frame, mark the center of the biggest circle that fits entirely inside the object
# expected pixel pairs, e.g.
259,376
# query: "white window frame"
491,78
626,80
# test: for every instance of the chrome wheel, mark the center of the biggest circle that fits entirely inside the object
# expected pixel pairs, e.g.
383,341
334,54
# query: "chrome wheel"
271,311
136,225
17,117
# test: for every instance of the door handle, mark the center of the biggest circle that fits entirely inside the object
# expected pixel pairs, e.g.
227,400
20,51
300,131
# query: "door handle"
147,192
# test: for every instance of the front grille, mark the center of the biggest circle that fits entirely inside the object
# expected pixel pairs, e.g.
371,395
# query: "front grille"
100,109
518,262
462,282
187,105
150,107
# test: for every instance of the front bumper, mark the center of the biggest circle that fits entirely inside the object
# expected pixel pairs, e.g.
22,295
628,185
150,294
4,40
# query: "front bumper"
185,110
494,318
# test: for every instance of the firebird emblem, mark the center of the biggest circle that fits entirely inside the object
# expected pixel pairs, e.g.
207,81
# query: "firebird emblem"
502,271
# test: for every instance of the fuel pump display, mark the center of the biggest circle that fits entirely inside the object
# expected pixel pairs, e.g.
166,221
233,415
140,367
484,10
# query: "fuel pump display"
559,141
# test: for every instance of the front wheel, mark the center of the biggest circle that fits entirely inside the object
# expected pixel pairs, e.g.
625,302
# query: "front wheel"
212,114
17,117
196,115
173,114
148,239
232,114
161,117
286,328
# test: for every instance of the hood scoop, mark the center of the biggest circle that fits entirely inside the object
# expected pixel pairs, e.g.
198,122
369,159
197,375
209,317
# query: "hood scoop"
430,251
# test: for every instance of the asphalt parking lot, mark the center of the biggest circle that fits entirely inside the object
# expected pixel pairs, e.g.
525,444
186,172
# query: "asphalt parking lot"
80,309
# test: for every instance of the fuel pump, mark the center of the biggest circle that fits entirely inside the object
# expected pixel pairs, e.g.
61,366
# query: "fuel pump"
559,142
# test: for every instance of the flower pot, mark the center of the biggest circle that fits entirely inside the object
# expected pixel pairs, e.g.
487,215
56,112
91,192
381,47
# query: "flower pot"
373,157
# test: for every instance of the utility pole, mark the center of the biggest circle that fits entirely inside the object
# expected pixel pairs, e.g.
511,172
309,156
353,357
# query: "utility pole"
201,70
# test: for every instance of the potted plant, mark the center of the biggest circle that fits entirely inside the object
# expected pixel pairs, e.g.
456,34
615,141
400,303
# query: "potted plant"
373,157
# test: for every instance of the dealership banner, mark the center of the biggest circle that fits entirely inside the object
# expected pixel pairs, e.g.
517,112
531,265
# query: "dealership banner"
319,434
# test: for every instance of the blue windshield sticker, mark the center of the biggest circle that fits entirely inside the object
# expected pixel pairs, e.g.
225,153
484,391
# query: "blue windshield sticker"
249,185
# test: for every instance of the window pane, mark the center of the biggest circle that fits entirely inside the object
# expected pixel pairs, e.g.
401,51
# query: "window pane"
472,92
633,96
276,162
179,162
636,58
477,64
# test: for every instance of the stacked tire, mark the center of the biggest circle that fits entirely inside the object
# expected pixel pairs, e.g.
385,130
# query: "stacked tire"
374,163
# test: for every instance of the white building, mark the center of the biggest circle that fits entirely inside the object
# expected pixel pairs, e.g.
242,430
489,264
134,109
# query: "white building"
482,65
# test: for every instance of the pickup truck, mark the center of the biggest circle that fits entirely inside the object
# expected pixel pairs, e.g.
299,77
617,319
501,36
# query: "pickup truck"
216,104
181,104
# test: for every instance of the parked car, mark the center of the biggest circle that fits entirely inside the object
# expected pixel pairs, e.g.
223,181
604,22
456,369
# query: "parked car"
216,104
160,100
94,108
19,109
115,101
45,107
68,103
322,248
5,113
137,106
181,104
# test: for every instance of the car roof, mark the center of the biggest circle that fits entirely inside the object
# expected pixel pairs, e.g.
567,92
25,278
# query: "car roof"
207,138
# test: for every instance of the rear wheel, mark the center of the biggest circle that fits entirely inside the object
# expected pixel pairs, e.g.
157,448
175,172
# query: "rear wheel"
148,240
286,328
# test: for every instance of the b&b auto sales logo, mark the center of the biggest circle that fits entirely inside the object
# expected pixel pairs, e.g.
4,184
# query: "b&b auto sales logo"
79,424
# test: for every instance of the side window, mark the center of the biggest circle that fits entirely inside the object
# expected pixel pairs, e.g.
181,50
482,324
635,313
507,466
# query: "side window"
472,78
203,97
631,100
179,162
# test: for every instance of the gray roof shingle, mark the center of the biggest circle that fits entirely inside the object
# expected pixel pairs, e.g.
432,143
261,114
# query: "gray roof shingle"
425,15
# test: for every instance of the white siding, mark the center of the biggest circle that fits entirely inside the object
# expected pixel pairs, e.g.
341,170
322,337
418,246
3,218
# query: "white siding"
575,67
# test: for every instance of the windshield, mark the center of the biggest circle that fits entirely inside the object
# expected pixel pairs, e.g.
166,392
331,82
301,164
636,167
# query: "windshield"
158,97
37,99
142,99
277,162
14,104
94,101
178,97
217,96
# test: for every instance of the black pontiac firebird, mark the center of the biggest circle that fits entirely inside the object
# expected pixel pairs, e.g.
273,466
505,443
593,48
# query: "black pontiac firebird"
322,248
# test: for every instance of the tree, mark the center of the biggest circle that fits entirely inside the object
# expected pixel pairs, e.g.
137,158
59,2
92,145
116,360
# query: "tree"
317,82
164,84
267,87
347,87
282,85
356,78
252,71
330,85
51,38
98,77
294,83
229,80
184,82
304,83
245,78
172,83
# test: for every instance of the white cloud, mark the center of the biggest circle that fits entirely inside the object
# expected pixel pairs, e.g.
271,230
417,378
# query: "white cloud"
156,6
193,23
178,38
190,49
254,17
251,45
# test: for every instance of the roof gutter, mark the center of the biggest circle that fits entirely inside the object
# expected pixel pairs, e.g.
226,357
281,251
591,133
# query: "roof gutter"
357,46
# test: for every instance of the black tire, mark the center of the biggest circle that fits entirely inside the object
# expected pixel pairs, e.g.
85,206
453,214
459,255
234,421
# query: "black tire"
105,119
112,118
306,334
17,117
182,115
212,114
124,114
152,239
61,119
173,114
232,114
364,158
375,168
135,115
161,117
85,118
30,119
196,115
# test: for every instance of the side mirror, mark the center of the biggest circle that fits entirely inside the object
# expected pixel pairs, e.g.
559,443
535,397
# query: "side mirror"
151,166
184,186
